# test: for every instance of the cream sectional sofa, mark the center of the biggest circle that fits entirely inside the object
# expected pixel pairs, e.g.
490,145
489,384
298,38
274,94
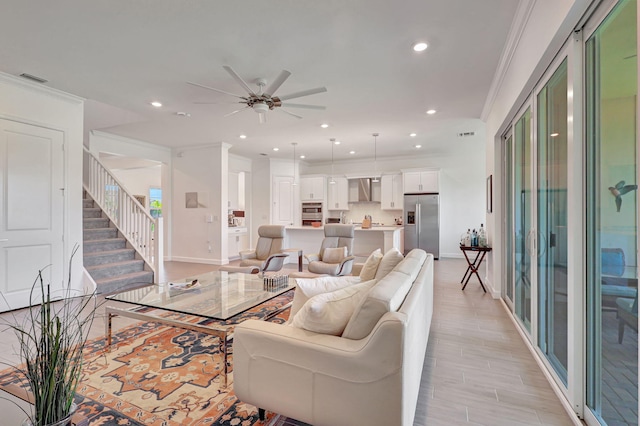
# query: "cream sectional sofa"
335,380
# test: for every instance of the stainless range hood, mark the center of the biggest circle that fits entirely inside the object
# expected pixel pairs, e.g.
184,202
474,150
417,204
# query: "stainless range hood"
364,190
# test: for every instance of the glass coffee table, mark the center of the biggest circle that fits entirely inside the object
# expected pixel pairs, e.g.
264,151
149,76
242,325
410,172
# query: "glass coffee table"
216,295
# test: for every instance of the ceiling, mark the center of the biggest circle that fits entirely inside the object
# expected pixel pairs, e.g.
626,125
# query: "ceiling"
121,55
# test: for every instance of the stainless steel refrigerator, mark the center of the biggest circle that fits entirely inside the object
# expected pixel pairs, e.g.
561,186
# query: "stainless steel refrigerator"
422,223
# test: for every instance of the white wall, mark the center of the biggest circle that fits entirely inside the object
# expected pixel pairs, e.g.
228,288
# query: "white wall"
534,41
203,170
40,105
462,184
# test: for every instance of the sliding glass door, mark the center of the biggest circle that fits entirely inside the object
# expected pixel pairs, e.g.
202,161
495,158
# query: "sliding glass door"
510,240
612,217
520,217
551,188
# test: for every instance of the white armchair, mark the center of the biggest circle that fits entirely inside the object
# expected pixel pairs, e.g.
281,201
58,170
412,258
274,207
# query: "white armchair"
335,236
268,254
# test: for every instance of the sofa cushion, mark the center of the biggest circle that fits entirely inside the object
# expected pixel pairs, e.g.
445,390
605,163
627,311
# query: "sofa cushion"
370,267
388,262
306,288
386,296
328,313
334,255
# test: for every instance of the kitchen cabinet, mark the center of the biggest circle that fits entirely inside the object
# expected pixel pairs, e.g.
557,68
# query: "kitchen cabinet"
312,188
425,181
238,241
338,194
391,197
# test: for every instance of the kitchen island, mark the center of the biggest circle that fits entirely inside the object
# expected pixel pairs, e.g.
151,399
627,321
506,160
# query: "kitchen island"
309,240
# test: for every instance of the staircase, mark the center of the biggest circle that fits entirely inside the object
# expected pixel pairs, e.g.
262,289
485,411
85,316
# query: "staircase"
113,265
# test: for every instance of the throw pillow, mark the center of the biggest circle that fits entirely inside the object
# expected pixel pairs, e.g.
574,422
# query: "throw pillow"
388,262
386,296
306,288
329,313
334,255
370,267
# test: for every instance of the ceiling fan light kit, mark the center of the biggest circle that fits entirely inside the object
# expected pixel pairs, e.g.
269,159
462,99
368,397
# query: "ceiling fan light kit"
260,107
263,100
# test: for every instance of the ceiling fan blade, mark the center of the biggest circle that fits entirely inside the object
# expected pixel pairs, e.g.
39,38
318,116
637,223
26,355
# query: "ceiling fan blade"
214,89
304,106
236,111
239,80
216,103
290,113
284,75
303,93
262,117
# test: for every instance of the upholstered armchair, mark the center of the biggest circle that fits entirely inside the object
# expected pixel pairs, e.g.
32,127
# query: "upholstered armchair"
268,254
331,260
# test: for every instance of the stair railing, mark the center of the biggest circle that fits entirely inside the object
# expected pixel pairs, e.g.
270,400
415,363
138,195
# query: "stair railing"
127,214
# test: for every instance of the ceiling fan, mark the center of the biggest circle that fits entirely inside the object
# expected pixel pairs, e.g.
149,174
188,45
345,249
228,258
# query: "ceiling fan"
262,100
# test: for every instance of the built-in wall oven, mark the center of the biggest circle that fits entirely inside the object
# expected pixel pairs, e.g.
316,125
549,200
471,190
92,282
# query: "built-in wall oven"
311,212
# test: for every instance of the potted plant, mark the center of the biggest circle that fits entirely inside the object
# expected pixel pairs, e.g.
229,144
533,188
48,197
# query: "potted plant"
51,338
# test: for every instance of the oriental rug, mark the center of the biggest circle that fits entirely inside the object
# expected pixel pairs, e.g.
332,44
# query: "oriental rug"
161,376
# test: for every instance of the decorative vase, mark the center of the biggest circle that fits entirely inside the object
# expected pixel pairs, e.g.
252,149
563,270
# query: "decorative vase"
64,422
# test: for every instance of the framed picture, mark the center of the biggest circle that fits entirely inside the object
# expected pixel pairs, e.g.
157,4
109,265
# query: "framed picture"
490,194
142,199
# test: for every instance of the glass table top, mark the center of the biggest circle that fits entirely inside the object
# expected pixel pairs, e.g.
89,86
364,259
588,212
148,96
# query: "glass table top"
217,295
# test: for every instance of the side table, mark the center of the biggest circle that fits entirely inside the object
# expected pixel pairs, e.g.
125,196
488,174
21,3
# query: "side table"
293,250
473,267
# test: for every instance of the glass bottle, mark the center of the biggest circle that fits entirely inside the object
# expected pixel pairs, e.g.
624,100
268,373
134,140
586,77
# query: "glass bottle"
482,236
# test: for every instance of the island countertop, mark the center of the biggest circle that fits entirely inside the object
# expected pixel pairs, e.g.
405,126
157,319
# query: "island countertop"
309,239
357,228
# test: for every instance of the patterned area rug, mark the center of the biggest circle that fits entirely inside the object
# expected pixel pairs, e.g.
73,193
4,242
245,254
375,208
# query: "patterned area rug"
164,376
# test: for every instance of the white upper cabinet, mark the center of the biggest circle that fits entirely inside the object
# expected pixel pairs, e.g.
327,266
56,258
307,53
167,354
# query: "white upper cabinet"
391,197
338,194
426,181
312,188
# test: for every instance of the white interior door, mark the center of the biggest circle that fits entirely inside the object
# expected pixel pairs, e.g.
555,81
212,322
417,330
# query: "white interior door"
282,200
31,211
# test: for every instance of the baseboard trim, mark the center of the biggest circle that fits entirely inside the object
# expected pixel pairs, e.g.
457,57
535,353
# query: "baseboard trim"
218,262
452,255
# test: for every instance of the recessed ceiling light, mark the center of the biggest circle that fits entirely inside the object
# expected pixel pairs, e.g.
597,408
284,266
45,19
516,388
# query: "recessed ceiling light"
553,135
352,152
156,104
302,156
324,125
276,149
418,146
413,135
431,111
183,114
420,46
243,136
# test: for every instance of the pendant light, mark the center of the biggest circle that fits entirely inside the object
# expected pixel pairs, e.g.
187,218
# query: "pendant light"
375,158
295,181
333,142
